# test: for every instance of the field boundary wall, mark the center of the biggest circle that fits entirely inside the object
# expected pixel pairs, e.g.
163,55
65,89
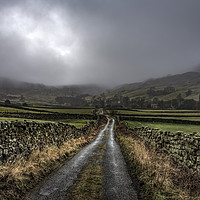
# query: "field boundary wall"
184,148
19,139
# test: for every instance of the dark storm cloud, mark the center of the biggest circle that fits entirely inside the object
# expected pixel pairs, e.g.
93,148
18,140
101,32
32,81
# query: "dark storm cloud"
93,41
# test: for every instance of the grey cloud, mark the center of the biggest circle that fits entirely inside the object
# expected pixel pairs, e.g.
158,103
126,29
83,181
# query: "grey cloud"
109,41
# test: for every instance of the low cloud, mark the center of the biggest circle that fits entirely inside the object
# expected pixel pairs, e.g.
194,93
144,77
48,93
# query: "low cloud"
102,42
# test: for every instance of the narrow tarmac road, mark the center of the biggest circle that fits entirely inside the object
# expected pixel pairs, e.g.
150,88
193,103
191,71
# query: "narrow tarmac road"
117,183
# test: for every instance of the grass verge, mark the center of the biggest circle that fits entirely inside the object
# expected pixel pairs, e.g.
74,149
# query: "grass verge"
89,184
159,176
18,178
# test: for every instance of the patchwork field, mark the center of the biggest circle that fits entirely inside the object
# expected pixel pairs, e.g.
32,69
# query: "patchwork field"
166,120
67,110
165,115
67,115
170,113
17,110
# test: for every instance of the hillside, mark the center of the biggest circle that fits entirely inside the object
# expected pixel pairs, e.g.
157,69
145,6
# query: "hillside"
183,86
181,82
17,91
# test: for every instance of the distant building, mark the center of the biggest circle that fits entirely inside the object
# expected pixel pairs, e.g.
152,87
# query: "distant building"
154,105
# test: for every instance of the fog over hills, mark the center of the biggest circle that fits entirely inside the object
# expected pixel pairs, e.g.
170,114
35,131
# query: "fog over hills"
181,84
9,85
40,93
12,89
185,79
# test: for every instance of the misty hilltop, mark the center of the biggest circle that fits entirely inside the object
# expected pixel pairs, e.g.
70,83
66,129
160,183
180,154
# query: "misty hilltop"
18,91
181,83
181,91
188,79
168,88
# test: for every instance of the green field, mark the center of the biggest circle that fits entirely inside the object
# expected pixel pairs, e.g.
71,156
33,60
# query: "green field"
160,112
68,110
15,110
76,122
190,115
167,126
171,117
37,109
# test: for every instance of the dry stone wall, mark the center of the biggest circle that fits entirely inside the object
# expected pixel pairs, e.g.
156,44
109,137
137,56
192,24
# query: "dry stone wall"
51,116
19,139
184,148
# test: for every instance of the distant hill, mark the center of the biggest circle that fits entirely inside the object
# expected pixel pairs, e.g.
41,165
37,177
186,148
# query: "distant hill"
181,82
17,91
184,86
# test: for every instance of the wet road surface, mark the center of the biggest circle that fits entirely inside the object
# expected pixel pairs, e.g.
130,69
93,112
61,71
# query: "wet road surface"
117,183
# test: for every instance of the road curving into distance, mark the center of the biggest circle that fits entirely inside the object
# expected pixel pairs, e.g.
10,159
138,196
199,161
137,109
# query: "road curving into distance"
117,183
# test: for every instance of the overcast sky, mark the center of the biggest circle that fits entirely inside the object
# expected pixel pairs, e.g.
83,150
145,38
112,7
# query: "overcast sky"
59,42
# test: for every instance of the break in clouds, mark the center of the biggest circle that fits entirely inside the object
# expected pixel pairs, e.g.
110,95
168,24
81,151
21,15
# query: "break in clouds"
106,42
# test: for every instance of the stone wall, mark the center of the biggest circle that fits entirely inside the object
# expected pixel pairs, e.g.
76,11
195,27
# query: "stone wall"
19,139
184,148
48,116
